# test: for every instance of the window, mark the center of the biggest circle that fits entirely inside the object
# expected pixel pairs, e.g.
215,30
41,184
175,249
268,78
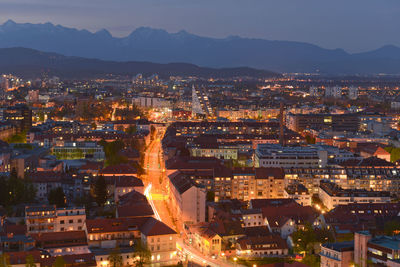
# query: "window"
62,222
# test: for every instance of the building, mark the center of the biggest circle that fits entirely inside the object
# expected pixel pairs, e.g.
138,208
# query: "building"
187,199
20,115
313,91
298,192
204,239
328,122
274,155
379,250
78,150
161,241
263,246
333,195
62,243
333,91
340,254
113,233
353,93
42,219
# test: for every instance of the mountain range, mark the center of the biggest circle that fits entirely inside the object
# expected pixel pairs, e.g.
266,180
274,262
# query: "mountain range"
30,63
159,46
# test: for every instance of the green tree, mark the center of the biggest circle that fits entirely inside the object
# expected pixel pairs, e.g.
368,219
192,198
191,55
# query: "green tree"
391,227
100,191
57,197
115,258
142,254
59,262
210,196
30,261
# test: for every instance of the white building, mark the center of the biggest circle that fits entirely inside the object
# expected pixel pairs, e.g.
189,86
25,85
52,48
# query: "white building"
187,199
313,91
274,155
333,195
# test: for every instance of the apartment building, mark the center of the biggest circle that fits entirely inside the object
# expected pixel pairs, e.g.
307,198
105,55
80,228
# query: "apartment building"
187,198
299,193
333,195
275,155
42,219
340,254
252,183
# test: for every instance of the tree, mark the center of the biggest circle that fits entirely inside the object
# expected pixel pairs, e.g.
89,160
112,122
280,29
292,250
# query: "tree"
57,197
115,258
59,262
142,254
131,129
30,261
210,196
391,227
100,191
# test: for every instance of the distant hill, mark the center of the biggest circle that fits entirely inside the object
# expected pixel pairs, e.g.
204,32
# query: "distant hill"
155,45
31,63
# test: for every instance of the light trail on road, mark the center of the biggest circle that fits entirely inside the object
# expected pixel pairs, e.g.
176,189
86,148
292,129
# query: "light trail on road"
147,193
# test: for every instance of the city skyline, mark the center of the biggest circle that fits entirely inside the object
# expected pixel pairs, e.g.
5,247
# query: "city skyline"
357,26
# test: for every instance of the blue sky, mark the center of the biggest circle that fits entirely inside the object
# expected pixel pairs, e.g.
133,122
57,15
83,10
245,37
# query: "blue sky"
355,25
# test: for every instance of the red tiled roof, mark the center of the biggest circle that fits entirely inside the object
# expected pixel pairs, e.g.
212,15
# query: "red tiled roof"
253,242
114,225
154,227
17,258
124,181
121,169
60,239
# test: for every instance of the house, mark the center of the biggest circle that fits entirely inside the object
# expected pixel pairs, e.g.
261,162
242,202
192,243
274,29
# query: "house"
118,186
161,241
263,246
298,192
205,239
133,204
62,243
285,219
112,233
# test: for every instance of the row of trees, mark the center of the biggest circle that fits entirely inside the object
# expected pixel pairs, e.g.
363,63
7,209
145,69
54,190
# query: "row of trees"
14,191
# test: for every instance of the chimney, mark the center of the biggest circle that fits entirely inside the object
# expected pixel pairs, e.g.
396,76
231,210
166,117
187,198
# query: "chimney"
281,122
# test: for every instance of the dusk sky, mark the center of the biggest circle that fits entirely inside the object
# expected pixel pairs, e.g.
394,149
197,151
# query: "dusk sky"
355,25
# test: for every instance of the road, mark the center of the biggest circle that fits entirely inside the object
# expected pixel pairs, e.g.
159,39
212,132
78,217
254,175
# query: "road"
156,192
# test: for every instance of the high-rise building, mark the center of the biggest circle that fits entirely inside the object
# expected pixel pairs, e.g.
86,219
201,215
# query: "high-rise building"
334,91
313,91
353,93
20,115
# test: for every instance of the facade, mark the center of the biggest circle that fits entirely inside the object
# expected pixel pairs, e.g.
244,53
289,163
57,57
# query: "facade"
112,233
333,91
42,219
339,254
328,122
187,199
263,246
273,155
298,192
333,195
78,150
161,241
20,115
379,250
